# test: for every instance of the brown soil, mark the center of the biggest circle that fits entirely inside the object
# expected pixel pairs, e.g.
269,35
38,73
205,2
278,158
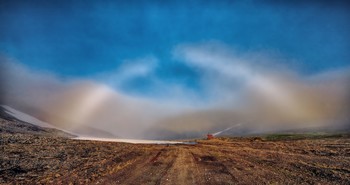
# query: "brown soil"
28,159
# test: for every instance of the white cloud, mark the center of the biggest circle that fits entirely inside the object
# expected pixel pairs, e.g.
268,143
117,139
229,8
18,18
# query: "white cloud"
130,69
272,95
74,103
248,88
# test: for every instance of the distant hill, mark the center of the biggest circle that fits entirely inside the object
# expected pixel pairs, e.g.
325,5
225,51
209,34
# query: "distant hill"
9,124
15,121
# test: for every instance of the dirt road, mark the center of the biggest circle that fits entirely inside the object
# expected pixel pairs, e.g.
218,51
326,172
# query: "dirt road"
234,161
241,162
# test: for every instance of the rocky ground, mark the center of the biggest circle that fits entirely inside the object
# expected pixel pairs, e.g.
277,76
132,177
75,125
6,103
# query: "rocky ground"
36,159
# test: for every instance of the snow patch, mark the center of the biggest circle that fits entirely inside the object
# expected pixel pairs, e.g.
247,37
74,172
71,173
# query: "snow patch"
134,141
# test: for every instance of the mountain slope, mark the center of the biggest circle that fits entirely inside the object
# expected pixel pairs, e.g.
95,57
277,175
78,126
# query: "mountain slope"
12,114
9,124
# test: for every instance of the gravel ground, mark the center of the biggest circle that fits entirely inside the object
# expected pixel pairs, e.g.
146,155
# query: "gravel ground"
36,159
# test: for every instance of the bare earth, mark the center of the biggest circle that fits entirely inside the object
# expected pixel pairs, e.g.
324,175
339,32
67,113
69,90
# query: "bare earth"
30,159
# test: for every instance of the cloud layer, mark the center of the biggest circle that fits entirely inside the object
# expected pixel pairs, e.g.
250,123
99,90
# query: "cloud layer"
256,89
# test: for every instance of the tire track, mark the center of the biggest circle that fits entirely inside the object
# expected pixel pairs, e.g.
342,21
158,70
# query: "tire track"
214,170
184,170
149,171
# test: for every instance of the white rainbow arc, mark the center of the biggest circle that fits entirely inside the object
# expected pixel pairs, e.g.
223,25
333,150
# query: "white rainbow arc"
89,103
235,68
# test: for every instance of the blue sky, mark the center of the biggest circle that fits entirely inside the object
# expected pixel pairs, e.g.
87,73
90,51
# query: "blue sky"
101,34
154,68
84,39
